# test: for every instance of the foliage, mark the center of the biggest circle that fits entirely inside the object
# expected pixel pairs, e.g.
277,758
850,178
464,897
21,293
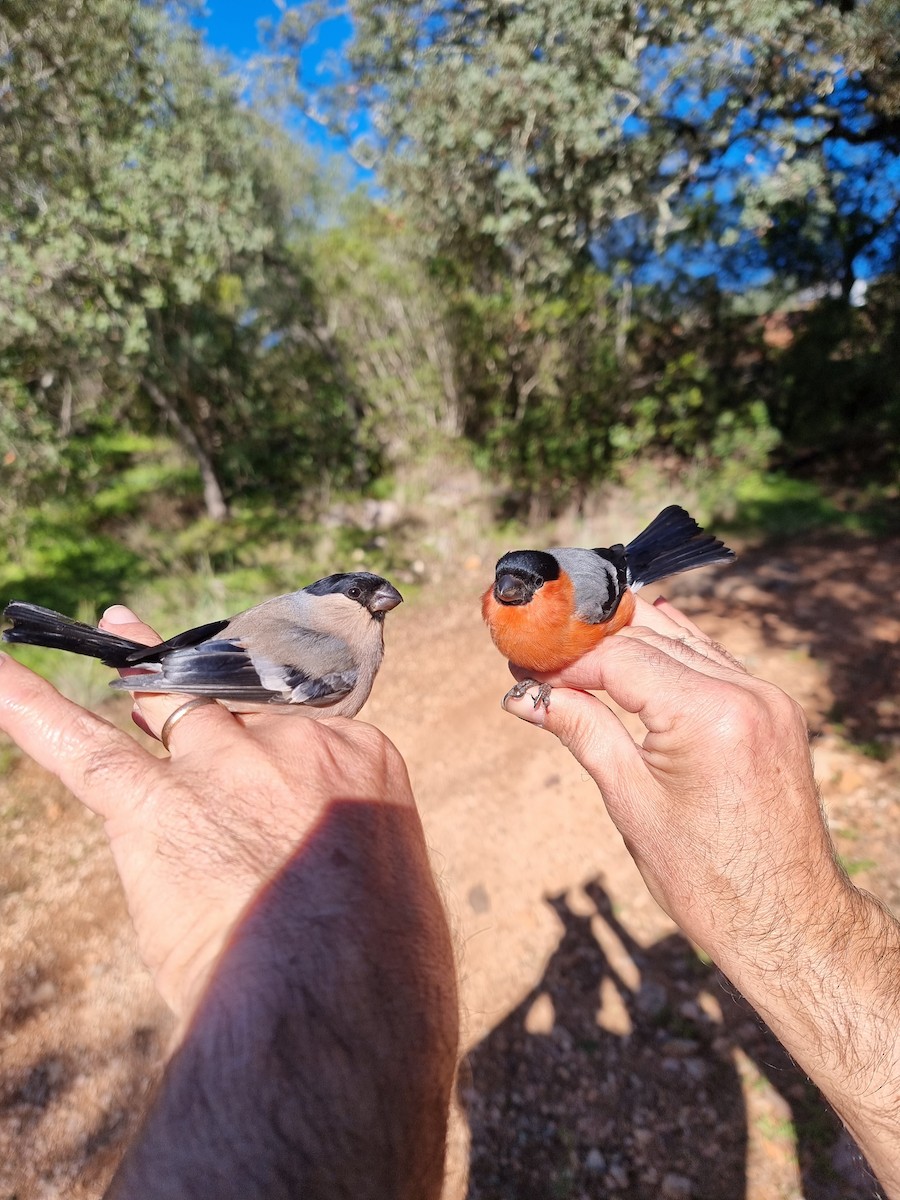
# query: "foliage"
578,201
529,138
839,395
386,315
152,258
542,384
573,172
782,506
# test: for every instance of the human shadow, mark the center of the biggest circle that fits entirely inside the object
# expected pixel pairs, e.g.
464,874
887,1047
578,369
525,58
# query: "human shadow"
619,1074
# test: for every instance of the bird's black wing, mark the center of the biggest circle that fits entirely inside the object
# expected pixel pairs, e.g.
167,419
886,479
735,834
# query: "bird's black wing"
225,670
190,637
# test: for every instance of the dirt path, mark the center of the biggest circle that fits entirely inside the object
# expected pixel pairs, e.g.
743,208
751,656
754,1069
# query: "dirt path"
606,1059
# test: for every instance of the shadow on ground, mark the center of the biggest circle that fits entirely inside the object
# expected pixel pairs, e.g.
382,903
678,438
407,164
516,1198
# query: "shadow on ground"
837,598
620,1074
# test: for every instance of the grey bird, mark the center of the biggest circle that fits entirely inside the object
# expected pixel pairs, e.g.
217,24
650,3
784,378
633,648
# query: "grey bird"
315,651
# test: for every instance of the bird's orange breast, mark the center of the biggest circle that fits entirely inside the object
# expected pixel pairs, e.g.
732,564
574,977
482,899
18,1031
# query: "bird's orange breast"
545,635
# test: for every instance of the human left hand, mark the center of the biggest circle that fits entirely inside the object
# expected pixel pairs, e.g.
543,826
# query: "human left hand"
195,836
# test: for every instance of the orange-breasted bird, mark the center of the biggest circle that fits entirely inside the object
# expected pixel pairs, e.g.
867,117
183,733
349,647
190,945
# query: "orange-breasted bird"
546,608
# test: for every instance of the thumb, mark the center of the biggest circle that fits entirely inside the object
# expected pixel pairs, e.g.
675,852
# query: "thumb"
589,730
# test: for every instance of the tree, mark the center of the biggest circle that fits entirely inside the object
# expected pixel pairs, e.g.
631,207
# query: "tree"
552,149
385,310
530,137
151,231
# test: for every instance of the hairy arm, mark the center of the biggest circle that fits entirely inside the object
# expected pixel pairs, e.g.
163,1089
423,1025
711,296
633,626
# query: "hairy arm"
319,1060
832,997
718,806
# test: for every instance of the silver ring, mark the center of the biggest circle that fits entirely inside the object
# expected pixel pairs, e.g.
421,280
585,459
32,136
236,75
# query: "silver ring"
182,711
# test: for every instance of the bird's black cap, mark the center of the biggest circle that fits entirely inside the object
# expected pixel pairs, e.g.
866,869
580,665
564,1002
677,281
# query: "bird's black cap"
535,566
373,592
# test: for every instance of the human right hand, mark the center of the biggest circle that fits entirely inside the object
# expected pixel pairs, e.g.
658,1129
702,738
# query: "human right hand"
718,805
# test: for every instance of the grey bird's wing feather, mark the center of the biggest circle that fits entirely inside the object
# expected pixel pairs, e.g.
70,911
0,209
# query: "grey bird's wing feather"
595,580
225,669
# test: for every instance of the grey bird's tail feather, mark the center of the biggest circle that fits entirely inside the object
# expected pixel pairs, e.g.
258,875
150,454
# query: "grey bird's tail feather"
673,542
36,626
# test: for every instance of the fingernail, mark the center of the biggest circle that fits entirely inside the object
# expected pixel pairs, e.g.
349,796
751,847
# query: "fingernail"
660,600
524,708
118,614
140,720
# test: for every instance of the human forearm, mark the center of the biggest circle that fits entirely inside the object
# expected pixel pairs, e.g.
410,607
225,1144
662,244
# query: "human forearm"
833,1000
320,1060
279,885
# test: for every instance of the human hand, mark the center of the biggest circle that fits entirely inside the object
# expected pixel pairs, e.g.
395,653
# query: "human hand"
718,805
197,835
719,808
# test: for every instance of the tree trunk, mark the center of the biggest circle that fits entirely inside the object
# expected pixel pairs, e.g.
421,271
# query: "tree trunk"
213,496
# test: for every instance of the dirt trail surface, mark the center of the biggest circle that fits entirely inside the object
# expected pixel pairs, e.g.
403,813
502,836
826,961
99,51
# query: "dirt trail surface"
605,1057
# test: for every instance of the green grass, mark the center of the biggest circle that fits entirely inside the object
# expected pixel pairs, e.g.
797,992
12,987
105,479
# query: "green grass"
776,1128
856,866
875,748
9,756
776,505
851,835
878,750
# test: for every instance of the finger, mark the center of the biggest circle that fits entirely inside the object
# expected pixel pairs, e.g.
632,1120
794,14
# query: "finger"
699,637
96,761
645,673
660,618
589,730
587,673
700,653
676,617
138,717
150,711
153,709
664,618
122,621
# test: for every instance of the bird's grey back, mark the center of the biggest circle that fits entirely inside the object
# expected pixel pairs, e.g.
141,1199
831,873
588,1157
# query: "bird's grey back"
594,579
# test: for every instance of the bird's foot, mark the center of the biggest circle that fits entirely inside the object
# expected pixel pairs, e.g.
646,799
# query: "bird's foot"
542,696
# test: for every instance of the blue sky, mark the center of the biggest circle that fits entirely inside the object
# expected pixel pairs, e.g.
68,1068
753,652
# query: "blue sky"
231,25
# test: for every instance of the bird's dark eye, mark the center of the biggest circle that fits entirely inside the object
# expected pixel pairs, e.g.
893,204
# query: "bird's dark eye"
538,582
354,593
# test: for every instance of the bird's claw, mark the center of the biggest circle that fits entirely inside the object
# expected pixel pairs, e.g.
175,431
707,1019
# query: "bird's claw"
542,696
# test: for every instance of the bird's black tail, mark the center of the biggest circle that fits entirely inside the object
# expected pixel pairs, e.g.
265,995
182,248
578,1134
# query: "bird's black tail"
673,542
36,626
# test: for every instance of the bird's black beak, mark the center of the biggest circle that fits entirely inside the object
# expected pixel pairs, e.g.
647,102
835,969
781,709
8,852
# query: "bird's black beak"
386,598
509,589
